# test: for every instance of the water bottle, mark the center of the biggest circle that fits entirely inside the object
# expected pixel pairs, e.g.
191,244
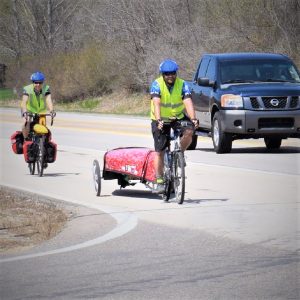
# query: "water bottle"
172,134
172,137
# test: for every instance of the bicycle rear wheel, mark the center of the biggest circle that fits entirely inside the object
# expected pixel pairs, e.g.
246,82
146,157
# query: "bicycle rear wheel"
179,176
31,167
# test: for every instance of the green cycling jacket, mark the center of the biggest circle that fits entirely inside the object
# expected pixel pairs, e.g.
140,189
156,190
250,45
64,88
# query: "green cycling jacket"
171,104
36,103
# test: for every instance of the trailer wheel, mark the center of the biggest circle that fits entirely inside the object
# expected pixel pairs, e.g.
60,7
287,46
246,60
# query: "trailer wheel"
97,177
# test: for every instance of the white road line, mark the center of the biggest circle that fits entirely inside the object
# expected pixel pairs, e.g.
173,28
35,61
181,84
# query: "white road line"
126,222
243,169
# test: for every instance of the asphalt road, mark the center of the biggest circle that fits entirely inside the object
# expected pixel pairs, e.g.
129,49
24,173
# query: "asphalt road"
235,237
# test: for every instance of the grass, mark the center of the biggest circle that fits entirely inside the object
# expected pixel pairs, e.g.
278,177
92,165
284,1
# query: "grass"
6,94
89,104
121,102
115,103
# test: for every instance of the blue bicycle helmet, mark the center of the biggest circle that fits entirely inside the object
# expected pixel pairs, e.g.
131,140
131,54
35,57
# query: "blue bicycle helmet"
168,65
37,76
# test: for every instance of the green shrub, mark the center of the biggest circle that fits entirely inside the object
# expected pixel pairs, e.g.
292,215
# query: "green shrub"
77,75
89,104
80,75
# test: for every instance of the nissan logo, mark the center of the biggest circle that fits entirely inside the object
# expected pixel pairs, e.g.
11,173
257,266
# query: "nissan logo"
274,102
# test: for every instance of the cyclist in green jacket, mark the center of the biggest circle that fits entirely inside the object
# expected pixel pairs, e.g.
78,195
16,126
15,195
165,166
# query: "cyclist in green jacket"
170,98
36,99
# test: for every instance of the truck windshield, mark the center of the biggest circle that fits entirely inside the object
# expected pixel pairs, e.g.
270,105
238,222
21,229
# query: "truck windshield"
240,71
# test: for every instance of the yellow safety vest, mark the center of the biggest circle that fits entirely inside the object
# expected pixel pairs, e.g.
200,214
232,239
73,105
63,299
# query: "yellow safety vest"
171,104
36,103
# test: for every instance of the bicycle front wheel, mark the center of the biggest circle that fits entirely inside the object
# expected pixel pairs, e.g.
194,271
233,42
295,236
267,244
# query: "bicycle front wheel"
41,156
179,176
167,177
167,193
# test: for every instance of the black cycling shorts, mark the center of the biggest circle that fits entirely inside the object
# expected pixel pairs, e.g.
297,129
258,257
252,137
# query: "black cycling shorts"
161,136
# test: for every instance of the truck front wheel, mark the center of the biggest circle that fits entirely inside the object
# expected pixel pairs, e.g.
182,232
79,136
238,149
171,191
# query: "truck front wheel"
222,141
273,143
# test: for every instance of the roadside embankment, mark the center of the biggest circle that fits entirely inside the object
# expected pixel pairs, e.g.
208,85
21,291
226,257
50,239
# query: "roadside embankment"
27,220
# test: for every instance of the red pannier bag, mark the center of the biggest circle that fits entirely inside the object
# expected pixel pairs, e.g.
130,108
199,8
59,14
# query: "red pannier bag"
30,151
135,162
17,141
51,150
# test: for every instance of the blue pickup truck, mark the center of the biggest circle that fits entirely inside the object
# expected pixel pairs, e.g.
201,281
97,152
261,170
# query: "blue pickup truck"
246,95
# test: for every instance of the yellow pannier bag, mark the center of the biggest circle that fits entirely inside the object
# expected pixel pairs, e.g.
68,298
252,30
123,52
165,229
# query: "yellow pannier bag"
40,129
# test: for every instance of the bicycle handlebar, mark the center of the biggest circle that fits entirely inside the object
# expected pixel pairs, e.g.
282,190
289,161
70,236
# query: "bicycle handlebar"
41,115
172,120
34,115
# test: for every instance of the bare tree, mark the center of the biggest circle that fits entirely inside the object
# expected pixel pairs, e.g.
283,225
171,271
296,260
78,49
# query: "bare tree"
135,36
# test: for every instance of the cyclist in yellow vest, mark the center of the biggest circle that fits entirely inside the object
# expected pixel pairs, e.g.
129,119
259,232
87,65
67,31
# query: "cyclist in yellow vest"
170,98
36,99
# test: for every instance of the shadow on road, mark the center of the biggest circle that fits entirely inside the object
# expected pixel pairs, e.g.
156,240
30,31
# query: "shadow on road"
148,195
136,194
198,201
56,174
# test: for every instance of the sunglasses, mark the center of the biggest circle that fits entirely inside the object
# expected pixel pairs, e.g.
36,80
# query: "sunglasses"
37,82
169,73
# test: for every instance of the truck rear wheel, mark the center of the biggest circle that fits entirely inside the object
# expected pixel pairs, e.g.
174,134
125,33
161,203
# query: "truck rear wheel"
273,143
222,141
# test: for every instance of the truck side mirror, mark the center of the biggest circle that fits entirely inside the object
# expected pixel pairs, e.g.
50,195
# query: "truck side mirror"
203,81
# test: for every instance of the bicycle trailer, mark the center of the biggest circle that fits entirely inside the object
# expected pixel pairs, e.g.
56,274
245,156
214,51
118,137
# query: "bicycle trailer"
128,165
131,165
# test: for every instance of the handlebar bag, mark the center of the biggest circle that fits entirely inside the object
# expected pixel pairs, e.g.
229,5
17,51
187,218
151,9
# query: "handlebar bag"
40,129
